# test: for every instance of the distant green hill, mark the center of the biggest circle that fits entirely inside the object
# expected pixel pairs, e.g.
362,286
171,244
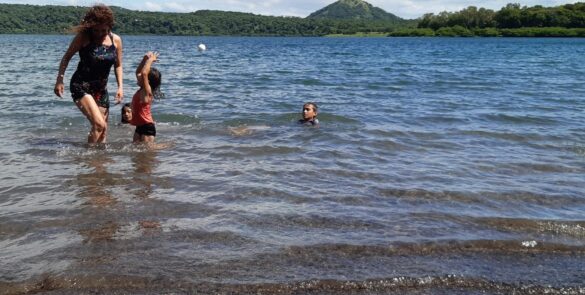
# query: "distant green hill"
353,10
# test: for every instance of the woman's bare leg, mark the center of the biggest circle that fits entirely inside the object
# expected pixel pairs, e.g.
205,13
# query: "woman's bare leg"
92,112
106,113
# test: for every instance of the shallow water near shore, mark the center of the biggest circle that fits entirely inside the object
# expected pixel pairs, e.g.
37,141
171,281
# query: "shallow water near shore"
443,166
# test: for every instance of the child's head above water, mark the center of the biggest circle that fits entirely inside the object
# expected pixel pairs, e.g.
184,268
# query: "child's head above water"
309,112
126,115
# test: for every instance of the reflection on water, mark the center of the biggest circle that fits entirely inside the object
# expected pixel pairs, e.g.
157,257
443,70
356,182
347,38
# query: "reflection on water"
143,180
144,163
94,185
105,218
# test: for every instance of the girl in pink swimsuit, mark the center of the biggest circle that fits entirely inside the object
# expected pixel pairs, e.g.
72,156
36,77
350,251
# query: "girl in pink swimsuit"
149,80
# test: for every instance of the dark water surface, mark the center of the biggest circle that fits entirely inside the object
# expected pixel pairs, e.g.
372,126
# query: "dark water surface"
444,166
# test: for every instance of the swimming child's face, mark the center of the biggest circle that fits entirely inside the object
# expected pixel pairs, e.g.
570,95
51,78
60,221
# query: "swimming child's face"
126,114
309,112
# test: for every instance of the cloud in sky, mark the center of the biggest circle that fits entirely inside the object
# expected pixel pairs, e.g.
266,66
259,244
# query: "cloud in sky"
301,8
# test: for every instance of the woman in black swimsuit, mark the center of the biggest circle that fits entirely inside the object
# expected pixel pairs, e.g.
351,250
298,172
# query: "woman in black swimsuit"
99,49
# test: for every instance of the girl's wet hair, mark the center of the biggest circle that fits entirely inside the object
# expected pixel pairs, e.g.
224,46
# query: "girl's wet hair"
311,104
155,79
99,14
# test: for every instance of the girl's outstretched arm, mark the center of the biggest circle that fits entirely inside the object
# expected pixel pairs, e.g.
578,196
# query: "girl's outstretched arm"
140,66
150,57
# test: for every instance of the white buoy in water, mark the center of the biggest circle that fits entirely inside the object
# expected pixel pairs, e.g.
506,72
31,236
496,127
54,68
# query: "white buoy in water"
201,47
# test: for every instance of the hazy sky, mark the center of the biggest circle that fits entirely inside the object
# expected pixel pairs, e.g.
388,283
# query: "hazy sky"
301,8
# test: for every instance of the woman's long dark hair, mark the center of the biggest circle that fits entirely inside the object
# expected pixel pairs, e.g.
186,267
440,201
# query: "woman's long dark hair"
99,14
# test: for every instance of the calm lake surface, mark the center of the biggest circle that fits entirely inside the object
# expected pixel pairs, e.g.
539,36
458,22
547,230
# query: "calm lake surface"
444,166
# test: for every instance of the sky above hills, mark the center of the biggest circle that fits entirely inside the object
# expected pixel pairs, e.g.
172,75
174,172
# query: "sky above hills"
403,8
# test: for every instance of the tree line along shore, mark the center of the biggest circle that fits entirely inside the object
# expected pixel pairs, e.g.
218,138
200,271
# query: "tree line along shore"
512,20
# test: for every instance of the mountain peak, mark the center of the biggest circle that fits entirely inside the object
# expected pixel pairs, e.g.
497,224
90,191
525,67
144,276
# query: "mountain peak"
353,3
353,9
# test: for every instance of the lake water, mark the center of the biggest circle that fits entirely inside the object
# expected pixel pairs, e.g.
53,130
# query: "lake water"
444,166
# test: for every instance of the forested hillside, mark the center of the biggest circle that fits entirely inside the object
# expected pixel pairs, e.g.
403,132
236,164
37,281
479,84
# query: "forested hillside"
512,20
31,19
509,17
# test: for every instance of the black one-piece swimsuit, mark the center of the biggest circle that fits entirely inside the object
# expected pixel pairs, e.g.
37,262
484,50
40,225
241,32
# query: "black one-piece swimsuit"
91,76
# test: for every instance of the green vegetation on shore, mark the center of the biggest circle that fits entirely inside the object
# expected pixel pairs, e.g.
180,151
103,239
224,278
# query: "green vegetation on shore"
459,31
360,34
32,19
352,18
511,21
